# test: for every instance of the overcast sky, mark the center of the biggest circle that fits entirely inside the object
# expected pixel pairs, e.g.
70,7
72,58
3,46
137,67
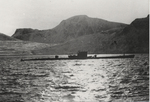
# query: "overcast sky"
46,14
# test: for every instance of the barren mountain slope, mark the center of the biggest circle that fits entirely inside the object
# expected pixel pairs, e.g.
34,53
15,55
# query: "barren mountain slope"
68,29
132,39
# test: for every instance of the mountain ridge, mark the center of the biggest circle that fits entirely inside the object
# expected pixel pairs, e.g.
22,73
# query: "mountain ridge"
131,39
68,29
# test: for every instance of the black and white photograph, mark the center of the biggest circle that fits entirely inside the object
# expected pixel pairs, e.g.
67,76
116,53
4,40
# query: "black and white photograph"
74,50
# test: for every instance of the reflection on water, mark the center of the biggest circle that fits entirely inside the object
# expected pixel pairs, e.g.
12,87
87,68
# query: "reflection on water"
93,80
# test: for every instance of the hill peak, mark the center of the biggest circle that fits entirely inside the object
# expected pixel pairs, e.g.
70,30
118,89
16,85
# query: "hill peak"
79,16
68,29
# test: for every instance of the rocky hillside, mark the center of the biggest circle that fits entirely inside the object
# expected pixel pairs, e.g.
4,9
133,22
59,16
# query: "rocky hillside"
20,47
4,37
67,30
134,38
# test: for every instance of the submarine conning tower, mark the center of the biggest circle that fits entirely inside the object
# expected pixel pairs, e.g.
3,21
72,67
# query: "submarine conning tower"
82,54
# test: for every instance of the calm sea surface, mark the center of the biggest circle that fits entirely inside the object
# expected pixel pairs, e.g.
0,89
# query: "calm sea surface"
91,80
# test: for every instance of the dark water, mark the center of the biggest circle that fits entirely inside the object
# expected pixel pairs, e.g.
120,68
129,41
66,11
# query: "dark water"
93,80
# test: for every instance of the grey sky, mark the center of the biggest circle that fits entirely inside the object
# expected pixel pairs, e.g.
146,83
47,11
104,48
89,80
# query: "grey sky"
46,14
